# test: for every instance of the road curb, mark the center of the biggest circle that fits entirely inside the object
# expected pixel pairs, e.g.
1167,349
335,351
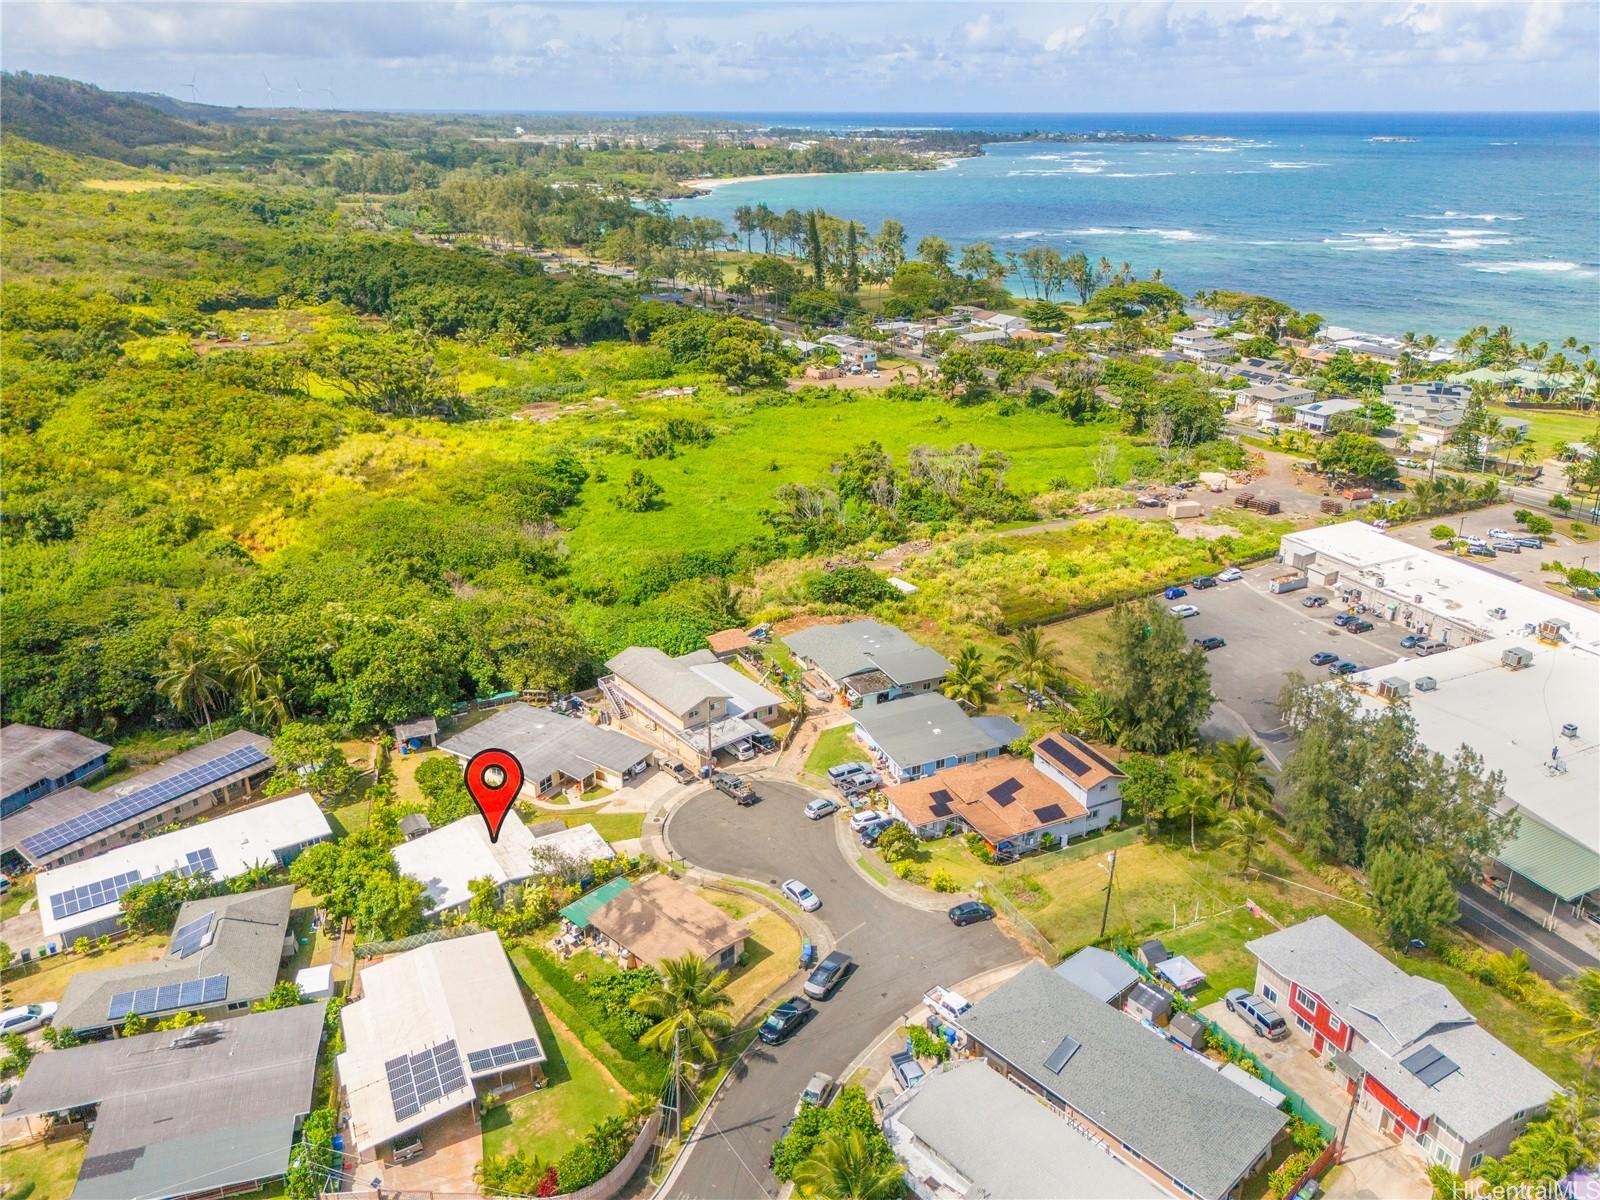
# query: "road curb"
899,890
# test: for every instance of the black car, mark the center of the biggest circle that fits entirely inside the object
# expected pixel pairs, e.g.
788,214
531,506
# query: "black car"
785,1019
828,975
871,834
1210,643
1358,626
1201,582
969,912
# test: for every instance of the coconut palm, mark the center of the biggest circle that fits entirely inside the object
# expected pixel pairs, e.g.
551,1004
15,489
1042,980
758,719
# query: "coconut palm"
241,656
687,1004
189,680
1031,660
1193,797
1095,717
1572,1019
1247,832
843,1167
1236,765
969,681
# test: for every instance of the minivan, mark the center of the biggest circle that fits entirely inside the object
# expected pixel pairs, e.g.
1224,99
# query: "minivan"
828,975
1257,1013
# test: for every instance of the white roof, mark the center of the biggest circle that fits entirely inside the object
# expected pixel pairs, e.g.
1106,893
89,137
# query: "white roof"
744,694
448,859
238,842
315,982
1261,1091
580,841
460,990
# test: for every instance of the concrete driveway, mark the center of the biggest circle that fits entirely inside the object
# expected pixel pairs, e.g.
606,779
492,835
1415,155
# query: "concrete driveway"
1374,1166
899,951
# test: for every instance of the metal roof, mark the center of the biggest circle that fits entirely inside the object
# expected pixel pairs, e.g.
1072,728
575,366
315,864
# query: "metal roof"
579,911
1554,861
29,754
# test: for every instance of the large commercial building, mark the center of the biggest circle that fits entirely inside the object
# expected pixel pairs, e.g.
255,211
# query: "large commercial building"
73,824
1521,686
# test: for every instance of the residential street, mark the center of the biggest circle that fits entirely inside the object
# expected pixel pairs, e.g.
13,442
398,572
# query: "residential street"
900,952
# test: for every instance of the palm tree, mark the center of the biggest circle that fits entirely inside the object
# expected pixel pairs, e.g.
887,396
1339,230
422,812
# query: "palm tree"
189,680
688,1005
1572,1019
1096,717
1031,659
843,1167
242,658
969,681
1247,832
1237,768
1193,798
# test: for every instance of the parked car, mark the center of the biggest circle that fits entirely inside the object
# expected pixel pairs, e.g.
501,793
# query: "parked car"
1481,551
827,975
1343,668
866,817
1231,575
969,912
1174,593
1505,546
1343,619
681,773
1410,640
1201,582
1184,610
404,1149
1428,648
1314,602
820,695
743,751
1323,658
817,1092
907,1070
871,834
1210,643
1358,626
1531,543
1501,533
732,785
782,1021
27,1018
1257,1014
842,770
801,895
821,807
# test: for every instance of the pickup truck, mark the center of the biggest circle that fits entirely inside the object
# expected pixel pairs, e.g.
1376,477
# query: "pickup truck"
732,785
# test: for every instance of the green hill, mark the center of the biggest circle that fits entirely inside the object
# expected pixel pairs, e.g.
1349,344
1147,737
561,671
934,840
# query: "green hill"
86,120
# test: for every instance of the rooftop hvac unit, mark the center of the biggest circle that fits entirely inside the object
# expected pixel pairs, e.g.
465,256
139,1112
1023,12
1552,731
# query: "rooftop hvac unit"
1426,683
1569,730
1393,688
1515,658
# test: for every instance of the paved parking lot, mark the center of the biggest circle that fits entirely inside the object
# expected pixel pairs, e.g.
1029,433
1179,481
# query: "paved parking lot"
1269,637
1523,566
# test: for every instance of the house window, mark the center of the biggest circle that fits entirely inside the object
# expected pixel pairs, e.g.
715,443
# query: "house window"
1305,1025
1333,1023
1269,993
1307,1000
694,712
1476,1159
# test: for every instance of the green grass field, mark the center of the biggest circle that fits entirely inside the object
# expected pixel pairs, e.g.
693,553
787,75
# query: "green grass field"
42,1172
834,746
614,827
1550,430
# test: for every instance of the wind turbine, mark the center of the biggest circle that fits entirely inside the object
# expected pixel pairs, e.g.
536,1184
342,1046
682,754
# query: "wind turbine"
328,91
299,95
194,92
268,82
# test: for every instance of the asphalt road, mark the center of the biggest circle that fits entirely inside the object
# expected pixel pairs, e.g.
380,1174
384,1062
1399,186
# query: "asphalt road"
1507,929
899,951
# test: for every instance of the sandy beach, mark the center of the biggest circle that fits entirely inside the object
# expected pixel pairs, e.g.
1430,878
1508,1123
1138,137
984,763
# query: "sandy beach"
711,185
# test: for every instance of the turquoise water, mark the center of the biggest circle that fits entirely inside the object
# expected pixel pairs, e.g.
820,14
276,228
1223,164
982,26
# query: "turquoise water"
1483,219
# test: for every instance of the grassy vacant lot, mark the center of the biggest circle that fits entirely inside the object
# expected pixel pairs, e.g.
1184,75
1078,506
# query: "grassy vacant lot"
42,1172
614,827
1550,430
771,952
549,1122
47,980
834,746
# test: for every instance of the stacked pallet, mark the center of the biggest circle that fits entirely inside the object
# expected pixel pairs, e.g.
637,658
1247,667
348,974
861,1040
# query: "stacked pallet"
1332,507
1243,499
1264,506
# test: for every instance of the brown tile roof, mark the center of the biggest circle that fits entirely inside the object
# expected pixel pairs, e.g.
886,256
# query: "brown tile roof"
1076,759
728,641
659,918
999,797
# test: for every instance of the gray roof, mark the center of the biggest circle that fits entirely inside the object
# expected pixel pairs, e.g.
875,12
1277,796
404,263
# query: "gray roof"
186,1110
29,754
1168,1106
246,945
856,646
1102,974
923,728
666,680
1395,1015
1039,1158
1150,998
416,727
1329,407
545,742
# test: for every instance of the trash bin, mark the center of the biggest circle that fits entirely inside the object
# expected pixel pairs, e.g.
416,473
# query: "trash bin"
808,954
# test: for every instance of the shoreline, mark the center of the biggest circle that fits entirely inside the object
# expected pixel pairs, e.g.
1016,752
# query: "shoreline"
711,185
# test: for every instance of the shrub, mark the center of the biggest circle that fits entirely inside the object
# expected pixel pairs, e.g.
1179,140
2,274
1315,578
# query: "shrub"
925,1045
639,1070
942,881
591,1158
980,848
1286,1176
910,871
1442,533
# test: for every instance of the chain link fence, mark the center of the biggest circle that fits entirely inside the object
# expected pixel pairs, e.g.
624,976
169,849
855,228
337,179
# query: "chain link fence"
442,934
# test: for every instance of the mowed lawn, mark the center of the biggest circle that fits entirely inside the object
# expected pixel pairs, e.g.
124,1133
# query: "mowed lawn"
771,952
1550,430
834,746
42,1172
547,1123
46,979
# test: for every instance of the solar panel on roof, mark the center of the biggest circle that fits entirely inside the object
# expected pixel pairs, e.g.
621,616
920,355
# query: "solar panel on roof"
417,1080
941,803
506,1055
1064,756
91,895
188,939
1050,812
1062,1054
1429,1064
142,801
210,990
197,861
1005,792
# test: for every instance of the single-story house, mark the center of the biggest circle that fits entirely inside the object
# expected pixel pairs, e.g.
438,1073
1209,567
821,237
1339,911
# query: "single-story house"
1518,379
948,1155
223,956
1004,800
35,762
923,735
1416,1063
985,337
1002,321
448,859
84,899
1160,1111
425,1030
867,662
659,918
558,753
1316,415
673,698
1104,975
1146,1002
1089,777
214,1109
853,352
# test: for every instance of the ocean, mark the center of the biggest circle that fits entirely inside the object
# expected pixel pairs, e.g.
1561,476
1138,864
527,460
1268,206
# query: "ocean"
1479,219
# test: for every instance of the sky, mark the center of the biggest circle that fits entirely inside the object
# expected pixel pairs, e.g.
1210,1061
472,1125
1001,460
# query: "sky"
827,55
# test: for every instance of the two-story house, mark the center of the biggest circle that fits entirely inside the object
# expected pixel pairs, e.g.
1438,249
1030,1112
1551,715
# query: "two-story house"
1415,1062
693,703
1090,778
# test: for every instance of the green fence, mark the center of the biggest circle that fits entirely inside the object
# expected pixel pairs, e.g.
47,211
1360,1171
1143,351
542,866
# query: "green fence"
1237,1050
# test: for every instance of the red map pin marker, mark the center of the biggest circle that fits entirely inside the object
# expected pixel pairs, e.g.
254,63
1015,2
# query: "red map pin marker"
494,777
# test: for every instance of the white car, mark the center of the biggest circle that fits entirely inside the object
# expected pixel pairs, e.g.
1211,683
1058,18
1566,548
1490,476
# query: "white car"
867,816
1184,610
1501,533
1231,575
818,1089
801,895
27,1018
821,807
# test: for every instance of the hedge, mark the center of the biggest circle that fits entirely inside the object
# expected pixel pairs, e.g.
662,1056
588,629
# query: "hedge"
643,1072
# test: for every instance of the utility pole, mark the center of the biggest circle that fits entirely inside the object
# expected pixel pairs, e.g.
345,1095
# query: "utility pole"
1111,878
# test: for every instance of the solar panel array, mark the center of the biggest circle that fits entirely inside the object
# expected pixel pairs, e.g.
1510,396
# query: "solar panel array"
1064,756
1050,812
417,1080
941,806
213,989
134,804
1430,1065
91,895
1004,792
190,938
196,861
502,1056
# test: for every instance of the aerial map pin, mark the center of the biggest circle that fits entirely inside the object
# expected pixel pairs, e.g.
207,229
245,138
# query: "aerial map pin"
494,777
